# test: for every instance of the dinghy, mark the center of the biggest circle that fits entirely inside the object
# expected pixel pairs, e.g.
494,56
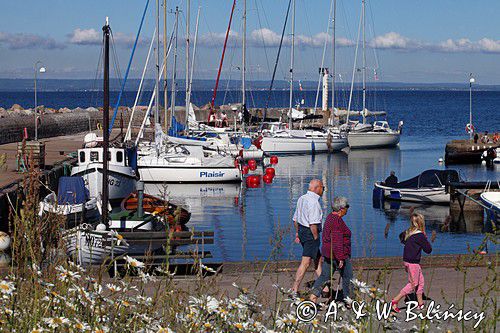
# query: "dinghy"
154,205
72,202
428,187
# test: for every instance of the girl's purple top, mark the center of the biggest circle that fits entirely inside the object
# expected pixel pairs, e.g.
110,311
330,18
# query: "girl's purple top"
336,238
414,246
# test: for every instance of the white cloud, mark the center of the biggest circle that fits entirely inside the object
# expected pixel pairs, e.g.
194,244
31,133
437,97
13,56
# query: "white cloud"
94,37
395,41
18,41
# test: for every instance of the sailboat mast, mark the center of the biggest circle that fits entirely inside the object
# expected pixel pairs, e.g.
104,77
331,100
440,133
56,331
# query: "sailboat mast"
105,120
243,60
333,58
188,18
174,70
291,68
157,76
165,52
192,63
364,63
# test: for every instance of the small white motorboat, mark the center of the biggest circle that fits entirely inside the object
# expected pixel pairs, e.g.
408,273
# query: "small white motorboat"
87,246
72,201
428,187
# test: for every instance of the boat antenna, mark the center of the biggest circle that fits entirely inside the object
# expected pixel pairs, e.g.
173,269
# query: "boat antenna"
364,62
334,42
212,103
276,64
244,65
105,133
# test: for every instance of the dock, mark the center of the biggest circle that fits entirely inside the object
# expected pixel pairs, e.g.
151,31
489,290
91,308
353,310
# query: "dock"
466,151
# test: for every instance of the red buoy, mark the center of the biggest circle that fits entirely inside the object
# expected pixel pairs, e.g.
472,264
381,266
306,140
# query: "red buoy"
252,162
274,159
267,178
253,181
270,171
244,169
252,167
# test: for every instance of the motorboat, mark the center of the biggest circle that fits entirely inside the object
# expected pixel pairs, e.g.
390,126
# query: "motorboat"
122,176
380,136
492,201
72,202
430,186
186,164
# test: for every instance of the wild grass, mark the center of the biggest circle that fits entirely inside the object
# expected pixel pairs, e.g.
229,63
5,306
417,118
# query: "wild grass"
42,291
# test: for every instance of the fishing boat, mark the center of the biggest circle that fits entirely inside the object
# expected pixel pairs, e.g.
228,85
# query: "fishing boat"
72,202
88,246
122,176
154,205
187,164
430,186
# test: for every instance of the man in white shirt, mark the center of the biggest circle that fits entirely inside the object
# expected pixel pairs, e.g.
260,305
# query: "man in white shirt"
307,219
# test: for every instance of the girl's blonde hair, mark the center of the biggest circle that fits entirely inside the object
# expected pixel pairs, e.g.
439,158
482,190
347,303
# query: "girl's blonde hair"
417,222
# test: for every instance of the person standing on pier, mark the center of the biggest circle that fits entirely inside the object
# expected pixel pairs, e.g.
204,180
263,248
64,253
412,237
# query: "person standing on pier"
307,219
336,251
415,240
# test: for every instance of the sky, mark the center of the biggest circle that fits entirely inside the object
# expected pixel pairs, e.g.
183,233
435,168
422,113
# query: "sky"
413,41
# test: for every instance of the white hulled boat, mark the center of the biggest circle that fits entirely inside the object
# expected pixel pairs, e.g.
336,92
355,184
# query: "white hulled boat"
122,177
381,135
186,164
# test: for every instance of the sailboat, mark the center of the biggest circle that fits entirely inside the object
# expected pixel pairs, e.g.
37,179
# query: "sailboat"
363,135
170,161
284,139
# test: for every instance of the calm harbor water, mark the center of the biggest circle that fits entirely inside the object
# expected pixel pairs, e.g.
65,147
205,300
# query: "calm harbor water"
254,224
249,224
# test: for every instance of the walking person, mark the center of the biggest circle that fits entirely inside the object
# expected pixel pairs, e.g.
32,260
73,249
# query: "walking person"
415,240
336,251
307,219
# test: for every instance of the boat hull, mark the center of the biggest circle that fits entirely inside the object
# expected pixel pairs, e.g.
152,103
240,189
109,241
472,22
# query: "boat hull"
292,145
90,247
121,181
435,195
166,174
367,140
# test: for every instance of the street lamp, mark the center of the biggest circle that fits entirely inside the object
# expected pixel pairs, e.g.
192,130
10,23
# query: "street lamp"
41,69
471,127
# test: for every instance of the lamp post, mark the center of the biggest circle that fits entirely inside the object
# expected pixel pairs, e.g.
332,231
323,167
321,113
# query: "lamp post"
471,128
40,69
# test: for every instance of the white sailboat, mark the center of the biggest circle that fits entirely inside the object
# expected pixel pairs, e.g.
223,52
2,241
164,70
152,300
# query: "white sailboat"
187,164
363,135
289,141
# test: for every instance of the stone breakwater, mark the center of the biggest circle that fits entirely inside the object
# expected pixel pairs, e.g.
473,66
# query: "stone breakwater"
65,121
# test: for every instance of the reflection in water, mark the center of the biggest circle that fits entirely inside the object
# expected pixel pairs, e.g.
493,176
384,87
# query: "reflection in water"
254,224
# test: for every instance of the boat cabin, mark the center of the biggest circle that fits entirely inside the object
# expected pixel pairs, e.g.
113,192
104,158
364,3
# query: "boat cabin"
116,156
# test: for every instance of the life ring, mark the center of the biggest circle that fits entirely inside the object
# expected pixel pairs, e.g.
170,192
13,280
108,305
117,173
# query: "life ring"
469,128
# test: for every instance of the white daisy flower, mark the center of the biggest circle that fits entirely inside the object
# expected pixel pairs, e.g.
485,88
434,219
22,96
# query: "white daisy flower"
113,287
7,287
132,262
56,322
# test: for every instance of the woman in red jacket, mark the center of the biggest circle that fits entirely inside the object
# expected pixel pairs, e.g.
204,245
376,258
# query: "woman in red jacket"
335,249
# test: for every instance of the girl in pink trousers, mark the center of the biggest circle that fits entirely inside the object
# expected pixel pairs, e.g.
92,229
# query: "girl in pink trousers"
415,240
